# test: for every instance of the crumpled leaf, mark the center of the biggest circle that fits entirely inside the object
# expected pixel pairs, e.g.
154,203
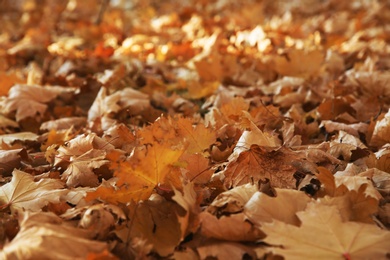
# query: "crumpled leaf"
82,155
12,140
30,100
44,236
259,163
23,193
234,200
99,219
11,159
323,235
160,215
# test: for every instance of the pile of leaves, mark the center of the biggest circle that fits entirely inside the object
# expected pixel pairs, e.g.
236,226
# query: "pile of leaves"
194,129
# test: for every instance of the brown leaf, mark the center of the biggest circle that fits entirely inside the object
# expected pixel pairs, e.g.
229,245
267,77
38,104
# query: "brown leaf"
10,160
230,228
45,236
31,100
155,221
258,164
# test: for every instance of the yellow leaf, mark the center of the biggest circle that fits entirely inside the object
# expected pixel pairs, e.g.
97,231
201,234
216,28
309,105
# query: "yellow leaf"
199,137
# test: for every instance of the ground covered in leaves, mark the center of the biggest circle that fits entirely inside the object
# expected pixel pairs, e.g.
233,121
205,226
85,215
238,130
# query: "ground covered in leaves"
194,129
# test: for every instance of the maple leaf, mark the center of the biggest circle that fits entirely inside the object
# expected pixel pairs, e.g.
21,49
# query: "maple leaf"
379,135
224,250
199,137
231,228
23,193
104,105
232,201
30,100
258,163
337,239
159,214
80,169
14,140
162,130
299,63
197,169
44,236
81,155
263,208
137,177
7,80
98,219
10,160
188,201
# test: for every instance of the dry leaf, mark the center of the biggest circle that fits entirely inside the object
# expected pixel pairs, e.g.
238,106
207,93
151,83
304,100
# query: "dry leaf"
263,208
323,235
137,177
23,193
45,236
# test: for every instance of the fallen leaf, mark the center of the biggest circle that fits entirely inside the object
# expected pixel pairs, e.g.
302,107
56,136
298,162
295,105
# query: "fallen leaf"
299,63
45,236
199,137
155,220
323,235
23,193
31,100
229,228
137,178
263,208
258,164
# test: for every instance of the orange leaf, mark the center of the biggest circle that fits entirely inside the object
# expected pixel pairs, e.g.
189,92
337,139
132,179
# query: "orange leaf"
138,176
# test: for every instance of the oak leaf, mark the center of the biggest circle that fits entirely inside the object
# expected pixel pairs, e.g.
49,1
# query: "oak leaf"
323,235
23,193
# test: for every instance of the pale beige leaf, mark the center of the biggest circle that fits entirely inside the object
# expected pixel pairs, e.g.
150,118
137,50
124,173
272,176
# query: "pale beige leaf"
263,208
323,235
23,193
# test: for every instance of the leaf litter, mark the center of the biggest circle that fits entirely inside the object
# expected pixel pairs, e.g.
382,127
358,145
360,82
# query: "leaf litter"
194,129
